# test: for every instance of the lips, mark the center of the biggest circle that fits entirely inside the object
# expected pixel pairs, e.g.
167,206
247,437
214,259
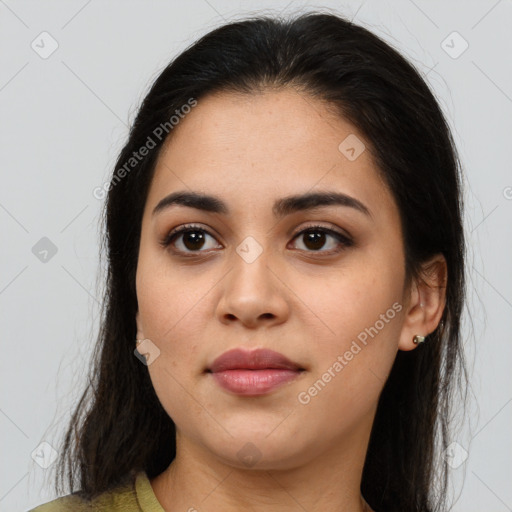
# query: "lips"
260,359
253,373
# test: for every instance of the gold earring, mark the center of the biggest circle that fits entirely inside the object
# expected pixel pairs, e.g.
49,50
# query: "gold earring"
418,339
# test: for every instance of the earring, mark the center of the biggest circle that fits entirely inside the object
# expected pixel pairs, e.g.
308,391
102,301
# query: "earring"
418,339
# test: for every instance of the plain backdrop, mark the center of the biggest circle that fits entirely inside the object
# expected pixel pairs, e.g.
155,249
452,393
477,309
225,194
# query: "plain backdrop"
72,74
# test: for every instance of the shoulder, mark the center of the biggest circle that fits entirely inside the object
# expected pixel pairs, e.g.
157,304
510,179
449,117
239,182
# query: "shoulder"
122,498
63,504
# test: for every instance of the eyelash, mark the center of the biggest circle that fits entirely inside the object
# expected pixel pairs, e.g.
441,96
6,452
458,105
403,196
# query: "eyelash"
344,241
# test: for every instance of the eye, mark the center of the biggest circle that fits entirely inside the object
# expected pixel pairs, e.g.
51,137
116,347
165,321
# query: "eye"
191,238
315,237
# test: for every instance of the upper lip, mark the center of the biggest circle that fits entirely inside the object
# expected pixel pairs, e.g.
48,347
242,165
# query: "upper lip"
258,359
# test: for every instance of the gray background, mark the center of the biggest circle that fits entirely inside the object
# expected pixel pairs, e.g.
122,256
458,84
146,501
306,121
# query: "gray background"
65,117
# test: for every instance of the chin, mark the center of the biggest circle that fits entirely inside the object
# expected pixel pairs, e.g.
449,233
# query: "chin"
261,449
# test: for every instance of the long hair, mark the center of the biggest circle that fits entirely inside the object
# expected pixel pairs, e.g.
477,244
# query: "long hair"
119,426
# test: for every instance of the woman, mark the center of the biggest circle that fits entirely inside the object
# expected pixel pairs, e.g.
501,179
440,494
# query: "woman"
285,284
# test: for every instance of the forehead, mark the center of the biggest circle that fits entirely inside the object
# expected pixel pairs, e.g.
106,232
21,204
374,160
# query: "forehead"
253,147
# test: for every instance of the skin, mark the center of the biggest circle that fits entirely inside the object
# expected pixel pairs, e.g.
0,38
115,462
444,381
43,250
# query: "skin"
296,299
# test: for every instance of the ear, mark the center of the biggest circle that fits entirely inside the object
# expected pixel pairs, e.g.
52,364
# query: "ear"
427,300
140,330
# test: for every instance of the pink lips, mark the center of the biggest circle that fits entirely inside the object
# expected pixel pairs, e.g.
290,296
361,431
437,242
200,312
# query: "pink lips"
253,373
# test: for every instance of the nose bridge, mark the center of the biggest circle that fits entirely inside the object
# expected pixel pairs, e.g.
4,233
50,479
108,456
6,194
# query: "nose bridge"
252,291
250,249
250,266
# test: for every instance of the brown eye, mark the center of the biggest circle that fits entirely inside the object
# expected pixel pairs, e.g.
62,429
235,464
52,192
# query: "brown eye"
193,240
188,239
314,238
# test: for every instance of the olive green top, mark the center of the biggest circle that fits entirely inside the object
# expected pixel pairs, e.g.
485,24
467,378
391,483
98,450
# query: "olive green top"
136,496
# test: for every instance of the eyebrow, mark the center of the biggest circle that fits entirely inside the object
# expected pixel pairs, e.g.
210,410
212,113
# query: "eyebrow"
282,207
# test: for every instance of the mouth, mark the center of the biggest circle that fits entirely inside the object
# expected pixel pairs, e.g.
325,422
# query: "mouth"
253,373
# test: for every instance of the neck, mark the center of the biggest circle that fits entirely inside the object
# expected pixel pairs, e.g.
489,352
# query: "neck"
199,480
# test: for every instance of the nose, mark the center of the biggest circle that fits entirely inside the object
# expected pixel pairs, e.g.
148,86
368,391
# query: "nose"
253,294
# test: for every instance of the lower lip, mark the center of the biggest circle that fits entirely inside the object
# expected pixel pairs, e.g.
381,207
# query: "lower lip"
254,382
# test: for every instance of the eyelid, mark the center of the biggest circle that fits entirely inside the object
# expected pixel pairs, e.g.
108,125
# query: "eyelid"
330,228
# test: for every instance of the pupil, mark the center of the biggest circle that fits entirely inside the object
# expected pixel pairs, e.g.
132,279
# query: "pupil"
196,237
316,238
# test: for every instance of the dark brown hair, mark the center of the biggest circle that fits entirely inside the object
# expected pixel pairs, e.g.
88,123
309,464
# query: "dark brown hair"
119,425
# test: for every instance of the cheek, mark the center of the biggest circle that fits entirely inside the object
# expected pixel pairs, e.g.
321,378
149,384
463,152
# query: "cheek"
169,296
358,317
170,308
354,356
348,301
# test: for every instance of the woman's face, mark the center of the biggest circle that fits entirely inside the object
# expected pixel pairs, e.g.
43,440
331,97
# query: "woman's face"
245,278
